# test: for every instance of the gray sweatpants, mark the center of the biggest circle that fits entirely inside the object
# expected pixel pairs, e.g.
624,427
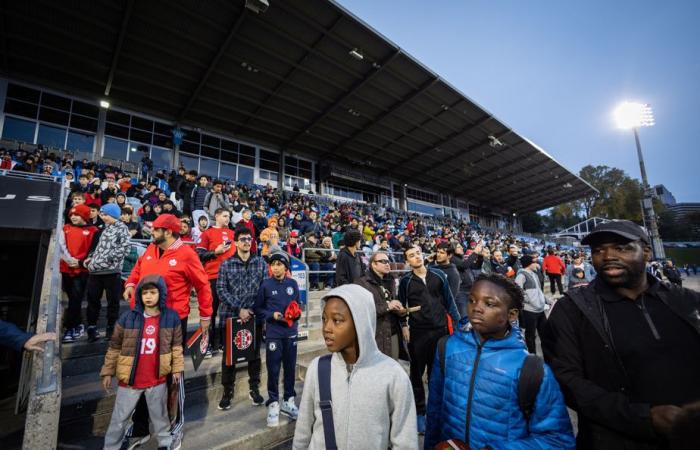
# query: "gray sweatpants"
124,405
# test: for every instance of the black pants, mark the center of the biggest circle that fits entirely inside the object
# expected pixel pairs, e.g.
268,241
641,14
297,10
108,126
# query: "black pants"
280,353
228,373
421,348
555,278
110,284
140,417
74,287
533,322
214,332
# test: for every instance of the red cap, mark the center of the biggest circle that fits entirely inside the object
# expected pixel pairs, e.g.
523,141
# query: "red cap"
294,233
81,210
167,221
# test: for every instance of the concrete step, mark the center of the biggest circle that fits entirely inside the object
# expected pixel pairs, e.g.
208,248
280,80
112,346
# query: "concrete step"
242,427
86,408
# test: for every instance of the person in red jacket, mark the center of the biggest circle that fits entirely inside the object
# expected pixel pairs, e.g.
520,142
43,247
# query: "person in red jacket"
178,264
215,246
554,267
75,243
248,223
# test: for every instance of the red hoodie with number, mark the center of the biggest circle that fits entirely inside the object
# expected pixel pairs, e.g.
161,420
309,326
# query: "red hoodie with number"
181,269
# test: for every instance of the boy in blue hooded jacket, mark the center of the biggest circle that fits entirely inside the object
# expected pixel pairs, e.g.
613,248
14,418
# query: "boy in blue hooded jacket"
476,398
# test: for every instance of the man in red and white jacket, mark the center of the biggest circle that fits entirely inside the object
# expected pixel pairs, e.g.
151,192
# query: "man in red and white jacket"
178,264
214,247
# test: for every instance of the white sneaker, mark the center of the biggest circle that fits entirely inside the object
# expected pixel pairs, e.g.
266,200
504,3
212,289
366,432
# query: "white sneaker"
289,409
273,414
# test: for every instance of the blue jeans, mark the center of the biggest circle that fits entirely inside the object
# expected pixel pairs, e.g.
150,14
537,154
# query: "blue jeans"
329,277
313,277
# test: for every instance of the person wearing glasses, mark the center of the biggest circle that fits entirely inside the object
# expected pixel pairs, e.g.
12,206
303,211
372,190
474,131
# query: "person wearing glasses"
379,281
239,280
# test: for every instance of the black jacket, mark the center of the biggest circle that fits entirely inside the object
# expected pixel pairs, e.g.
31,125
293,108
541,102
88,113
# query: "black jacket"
453,278
464,267
578,346
348,267
383,290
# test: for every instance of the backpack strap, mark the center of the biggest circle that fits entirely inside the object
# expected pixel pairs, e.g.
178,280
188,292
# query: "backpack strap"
326,404
531,375
442,346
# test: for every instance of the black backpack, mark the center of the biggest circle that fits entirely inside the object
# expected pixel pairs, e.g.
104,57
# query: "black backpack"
531,376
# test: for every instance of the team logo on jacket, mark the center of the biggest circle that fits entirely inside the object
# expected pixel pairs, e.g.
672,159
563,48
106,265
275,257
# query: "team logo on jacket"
86,232
290,290
150,329
272,346
172,262
149,257
243,339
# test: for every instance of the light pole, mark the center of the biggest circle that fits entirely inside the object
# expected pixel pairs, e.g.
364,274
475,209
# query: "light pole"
635,115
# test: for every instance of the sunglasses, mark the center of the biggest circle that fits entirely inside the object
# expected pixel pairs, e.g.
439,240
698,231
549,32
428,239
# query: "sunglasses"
381,261
245,239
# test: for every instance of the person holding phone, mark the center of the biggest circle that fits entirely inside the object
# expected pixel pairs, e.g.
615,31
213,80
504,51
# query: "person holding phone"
215,246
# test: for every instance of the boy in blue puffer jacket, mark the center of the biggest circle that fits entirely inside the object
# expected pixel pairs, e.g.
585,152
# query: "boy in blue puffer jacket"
476,398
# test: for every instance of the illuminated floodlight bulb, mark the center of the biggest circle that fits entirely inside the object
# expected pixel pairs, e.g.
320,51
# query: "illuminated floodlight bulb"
634,115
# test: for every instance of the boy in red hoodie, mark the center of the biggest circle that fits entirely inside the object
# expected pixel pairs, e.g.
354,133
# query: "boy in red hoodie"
75,242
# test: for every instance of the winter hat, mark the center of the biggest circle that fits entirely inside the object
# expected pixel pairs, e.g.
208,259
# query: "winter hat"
80,210
279,256
168,222
526,260
111,210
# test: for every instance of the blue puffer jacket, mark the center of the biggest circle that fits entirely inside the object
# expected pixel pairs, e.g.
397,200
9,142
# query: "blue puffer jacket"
496,419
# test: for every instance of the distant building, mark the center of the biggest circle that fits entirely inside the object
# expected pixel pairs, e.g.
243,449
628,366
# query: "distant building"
683,209
664,195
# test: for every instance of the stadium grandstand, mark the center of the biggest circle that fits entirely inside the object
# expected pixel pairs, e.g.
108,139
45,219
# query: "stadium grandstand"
307,115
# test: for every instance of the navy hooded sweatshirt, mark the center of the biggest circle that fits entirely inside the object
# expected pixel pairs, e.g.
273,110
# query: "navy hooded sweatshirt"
274,296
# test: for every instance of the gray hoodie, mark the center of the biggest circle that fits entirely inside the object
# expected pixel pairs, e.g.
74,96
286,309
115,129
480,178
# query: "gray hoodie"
530,284
373,405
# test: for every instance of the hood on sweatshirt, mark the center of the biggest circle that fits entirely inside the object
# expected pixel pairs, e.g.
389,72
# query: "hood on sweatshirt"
162,292
364,315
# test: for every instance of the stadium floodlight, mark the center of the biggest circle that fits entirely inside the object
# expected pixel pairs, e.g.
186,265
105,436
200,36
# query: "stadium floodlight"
634,115
104,104
355,53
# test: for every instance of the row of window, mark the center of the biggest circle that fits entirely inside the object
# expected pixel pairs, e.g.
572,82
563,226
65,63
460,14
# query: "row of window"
30,131
218,169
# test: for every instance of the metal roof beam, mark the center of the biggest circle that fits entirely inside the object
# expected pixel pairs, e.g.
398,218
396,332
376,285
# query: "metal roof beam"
286,76
118,46
518,187
349,93
427,85
212,65
544,189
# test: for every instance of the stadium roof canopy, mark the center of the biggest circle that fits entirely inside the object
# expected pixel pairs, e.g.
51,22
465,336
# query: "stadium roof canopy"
306,76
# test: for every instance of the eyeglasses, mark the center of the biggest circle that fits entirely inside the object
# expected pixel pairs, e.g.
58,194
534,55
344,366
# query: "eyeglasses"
381,261
245,239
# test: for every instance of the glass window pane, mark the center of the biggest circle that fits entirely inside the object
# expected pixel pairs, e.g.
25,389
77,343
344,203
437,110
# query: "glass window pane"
141,123
189,162
85,109
247,150
118,117
53,116
231,157
209,167
80,142
20,108
137,151
247,160
162,141
269,165
245,175
270,156
161,157
55,101
210,152
115,148
229,145
211,141
51,136
189,147
303,164
140,136
163,128
116,130
228,171
22,93
84,123
192,136
18,130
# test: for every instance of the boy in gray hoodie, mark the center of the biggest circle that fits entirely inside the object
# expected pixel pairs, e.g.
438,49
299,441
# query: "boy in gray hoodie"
372,400
533,316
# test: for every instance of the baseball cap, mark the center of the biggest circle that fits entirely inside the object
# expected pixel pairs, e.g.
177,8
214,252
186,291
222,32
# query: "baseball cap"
294,233
624,228
168,222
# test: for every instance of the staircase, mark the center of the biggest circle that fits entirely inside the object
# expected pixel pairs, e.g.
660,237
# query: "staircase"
86,408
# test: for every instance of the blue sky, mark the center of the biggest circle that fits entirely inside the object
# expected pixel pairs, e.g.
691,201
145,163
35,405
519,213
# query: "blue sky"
555,70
